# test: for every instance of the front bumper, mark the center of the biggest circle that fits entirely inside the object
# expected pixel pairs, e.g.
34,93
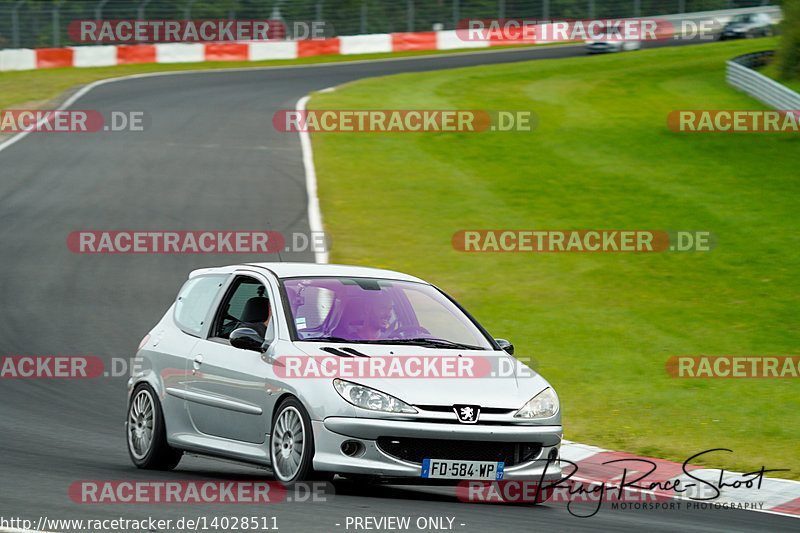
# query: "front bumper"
333,431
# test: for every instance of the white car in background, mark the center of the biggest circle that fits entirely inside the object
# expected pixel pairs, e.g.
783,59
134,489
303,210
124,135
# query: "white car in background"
615,44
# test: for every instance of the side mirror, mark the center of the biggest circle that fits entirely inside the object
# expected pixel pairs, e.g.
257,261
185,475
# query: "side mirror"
504,345
246,339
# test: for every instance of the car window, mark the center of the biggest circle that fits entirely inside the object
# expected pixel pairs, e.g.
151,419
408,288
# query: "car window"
194,302
376,310
436,316
315,307
231,313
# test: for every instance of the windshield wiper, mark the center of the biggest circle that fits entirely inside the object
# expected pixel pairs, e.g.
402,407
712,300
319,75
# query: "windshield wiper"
431,343
327,339
419,341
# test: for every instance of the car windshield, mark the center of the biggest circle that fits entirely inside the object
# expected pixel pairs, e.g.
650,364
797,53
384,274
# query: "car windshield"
742,18
380,311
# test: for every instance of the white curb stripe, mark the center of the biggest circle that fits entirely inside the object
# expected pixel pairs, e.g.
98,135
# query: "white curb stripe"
314,213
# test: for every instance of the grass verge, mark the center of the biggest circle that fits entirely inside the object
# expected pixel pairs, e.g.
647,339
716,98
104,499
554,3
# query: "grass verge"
601,326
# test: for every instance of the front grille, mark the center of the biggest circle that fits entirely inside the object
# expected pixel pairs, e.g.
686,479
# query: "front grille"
449,409
415,450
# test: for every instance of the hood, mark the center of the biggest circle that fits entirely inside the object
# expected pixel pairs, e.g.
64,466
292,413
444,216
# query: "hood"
511,387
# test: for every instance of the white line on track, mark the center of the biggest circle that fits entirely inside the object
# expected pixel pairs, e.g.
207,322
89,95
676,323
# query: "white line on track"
314,213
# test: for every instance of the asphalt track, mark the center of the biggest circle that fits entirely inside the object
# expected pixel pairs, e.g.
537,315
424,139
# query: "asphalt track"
210,159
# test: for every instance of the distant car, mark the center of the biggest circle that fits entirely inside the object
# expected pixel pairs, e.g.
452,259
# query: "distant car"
212,378
612,45
748,25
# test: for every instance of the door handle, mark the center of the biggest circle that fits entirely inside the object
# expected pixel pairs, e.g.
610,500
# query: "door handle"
198,360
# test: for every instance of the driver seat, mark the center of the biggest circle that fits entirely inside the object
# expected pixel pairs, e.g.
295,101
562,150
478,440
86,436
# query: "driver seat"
256,311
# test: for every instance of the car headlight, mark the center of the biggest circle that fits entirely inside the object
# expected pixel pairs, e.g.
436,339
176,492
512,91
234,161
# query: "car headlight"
369,398
543,405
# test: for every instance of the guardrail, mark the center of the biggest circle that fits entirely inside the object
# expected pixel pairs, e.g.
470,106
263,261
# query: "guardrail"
739,73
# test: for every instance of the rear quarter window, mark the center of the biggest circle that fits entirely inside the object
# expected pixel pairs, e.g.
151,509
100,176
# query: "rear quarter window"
194,302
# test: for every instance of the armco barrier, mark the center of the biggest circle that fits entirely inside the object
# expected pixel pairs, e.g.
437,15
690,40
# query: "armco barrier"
108,55
739,74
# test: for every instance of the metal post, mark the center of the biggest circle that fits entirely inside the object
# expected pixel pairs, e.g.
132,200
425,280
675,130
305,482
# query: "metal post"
276,11
681,6
140,9
410,15
56,22
363,18
591,9
232,10
637,8
15,24
98,9
545,9
187,10
501,9
34,31
456,12
319,10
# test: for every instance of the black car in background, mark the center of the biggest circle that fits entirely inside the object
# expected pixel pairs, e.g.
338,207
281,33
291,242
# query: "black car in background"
748,26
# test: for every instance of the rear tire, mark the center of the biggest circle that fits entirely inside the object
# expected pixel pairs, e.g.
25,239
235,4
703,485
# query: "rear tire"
146,433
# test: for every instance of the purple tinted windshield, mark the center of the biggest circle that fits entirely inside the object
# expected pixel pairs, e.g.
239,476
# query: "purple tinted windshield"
366,309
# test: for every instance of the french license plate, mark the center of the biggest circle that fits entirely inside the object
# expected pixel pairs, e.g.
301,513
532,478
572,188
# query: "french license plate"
453,469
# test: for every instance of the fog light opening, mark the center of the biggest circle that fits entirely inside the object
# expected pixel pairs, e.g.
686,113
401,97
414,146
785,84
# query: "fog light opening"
353,448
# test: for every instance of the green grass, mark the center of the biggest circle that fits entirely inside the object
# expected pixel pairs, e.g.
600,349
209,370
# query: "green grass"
34,88
601,326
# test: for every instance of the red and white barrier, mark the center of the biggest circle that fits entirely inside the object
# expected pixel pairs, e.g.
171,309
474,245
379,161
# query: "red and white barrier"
366,44
110,55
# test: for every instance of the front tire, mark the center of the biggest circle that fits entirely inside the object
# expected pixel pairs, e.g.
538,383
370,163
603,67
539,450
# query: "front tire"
146,434
291,442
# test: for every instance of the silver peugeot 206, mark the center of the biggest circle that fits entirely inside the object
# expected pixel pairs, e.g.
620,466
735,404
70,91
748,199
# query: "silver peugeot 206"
315,370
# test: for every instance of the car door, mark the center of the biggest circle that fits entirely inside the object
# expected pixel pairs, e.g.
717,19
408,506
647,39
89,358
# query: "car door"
226,387
170,346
